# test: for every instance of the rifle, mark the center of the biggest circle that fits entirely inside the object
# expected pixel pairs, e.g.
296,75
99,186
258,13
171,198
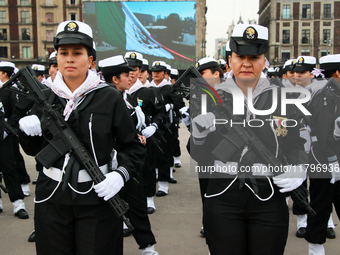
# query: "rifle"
61,138
236,137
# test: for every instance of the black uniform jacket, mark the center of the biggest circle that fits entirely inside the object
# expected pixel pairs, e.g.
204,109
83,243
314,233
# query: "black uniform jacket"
324,108
152,104
112,128
289,148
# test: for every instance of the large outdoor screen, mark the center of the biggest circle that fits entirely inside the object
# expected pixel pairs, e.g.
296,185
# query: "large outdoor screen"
159,30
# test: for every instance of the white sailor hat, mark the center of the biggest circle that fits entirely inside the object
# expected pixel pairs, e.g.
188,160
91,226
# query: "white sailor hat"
7,67
53,58
249,39
73,32
134,58
221,62
274,71
174,73
145,65
227,47
168,68
205,63
289,65
38,69
114,65
159,66
330,62
94,52
304,63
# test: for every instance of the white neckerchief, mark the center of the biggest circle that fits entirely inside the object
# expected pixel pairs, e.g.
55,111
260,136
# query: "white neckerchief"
128,105
287,83
162,84
146,84
138,85
59,87
48,82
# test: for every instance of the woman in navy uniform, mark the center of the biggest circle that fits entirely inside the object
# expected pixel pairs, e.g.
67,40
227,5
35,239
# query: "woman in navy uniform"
245,212
324,187
116,71
71,215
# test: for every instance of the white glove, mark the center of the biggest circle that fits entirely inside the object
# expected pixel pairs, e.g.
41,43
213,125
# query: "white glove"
5,135
293,177
140,117
168,107
110,186
149,131
335,171
337,128
204,121
184,109
30,125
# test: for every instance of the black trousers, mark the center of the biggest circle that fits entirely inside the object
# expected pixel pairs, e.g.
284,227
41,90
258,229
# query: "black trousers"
20,164
148,171
7,167
77,230
237,222
298,207
166,160
322,196
134,196
175,142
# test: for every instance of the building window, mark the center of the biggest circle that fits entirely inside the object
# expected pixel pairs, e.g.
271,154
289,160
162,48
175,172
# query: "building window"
285,36
48,2
73,16
305,35
3,34
3,17
286,11
305,53
326,36
49,17
24,2
327,11
325,52
2,2
3,52
49,35
25,17
285,56
72,2
26,52
25,34
306,11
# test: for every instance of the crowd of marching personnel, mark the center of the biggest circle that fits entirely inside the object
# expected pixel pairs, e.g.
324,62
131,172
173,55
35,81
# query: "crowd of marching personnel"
127,116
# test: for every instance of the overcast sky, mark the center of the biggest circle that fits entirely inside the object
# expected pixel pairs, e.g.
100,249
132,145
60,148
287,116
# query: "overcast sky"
220,15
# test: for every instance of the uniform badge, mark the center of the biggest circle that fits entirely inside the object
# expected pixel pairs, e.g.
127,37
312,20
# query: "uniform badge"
133,55
157,64
301,60
140,102
280,128
250,33
197,64
35,68
72,27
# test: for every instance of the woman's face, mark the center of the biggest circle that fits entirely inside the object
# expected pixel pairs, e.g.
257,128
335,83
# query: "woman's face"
53,71
124,82
143,75
246,66
73,63
303,78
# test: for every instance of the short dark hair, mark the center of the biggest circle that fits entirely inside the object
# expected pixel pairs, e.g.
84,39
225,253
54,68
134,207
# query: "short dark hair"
329,74
108,77
214,69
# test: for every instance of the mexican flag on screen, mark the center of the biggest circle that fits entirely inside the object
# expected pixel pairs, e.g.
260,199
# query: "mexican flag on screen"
118,26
